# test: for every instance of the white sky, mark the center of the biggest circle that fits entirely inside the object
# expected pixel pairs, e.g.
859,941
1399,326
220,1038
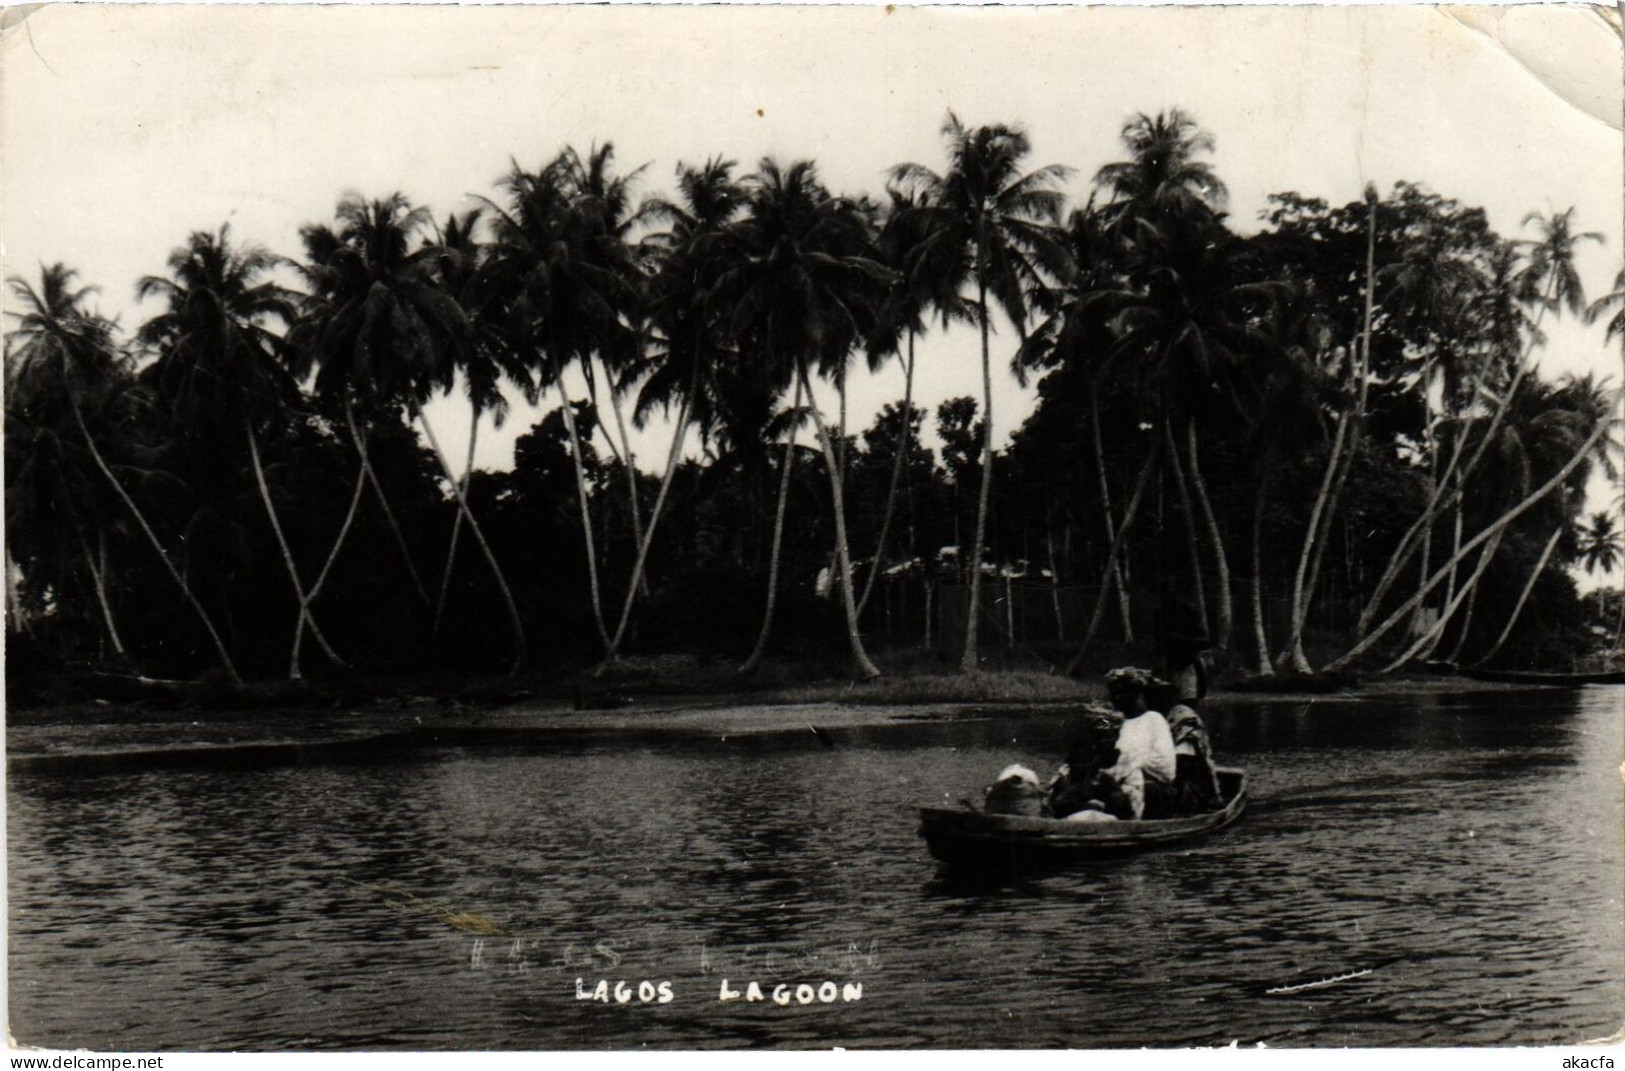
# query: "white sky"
124,128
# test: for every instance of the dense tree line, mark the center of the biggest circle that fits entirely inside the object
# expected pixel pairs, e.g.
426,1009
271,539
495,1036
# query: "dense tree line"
1325,440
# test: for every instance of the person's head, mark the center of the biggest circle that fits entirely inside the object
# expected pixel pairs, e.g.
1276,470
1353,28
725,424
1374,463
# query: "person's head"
1128,690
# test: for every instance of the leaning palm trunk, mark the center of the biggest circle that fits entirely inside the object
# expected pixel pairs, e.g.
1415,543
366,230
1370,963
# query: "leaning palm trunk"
632,587
518,662
629,463
456,528
152,537
1436,634
1371,638
98,578
1312,532
760,650
590,543
1523,596
866,668
1130,513
1408,542
1425,644
1260,635
896,479
360,441
1118,579
305,616
623,453
970,662
1187,514
1216,539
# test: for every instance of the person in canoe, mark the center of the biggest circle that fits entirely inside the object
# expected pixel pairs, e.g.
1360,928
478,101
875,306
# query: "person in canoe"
1145,767
1196,778
1080,785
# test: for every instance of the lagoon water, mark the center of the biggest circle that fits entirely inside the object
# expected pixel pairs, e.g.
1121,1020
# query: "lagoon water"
1458,857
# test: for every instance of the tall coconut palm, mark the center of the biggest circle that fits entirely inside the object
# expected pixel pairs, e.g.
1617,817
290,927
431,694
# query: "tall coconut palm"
1162,177
379,330
1601,547
689,256
567,281
991,227
458,264
1164,204
1195,322
60,357
219,371
806,292
1077,333
596,190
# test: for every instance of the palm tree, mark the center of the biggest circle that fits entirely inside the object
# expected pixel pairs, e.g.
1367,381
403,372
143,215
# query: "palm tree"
1077,333
901,316
567,281
987,225
1600,544
59,352
458,263
380,330
807,291
595,189
689,257
219,370
1162,178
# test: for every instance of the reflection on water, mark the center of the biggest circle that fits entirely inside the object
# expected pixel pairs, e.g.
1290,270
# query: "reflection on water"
1466,851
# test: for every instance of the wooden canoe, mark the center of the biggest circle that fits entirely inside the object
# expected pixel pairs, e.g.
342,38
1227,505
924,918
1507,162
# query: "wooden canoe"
967,839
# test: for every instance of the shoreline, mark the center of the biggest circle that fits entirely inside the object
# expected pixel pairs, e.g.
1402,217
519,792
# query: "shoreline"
103,737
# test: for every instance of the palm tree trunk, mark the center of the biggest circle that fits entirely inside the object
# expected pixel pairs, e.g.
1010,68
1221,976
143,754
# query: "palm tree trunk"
152,538
629,463
1300,587
1227,612
1118,572
1260,634
305,616
866,668
98,580
1130,514
1523,596
760,650
896,478
344,533
969,661
519,651
16,619
586,510
672,457
1500,524
1425,644
360,441
456,527
1188,515
1054,586
1465,629
622,452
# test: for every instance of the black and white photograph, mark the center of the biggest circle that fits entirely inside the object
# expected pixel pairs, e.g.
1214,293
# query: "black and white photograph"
565,528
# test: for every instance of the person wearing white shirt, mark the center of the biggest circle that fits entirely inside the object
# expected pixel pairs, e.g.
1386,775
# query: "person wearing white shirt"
1146,762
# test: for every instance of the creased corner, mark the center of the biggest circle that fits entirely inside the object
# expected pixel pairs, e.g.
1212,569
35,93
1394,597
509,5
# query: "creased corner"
1573,52
13,17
